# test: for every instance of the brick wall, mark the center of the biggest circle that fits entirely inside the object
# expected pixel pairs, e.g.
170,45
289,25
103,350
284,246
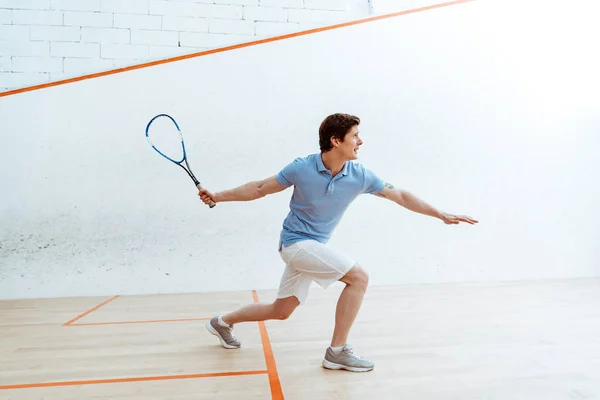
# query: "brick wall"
48,40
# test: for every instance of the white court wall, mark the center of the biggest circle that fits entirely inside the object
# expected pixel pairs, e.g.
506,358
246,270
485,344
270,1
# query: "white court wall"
44,41
484,108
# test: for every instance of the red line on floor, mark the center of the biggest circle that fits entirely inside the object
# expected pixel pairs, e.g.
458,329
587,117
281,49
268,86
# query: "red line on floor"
276,392
125,380
140,322
91,310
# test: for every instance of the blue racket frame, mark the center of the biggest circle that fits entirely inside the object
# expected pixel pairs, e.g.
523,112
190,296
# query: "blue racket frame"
183,159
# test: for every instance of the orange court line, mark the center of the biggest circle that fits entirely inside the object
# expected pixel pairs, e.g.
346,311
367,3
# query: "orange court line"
89,311
232,47
126,380
140,322
276,392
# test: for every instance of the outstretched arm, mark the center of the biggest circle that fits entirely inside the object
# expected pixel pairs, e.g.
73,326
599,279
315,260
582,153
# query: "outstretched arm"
413,203
250,191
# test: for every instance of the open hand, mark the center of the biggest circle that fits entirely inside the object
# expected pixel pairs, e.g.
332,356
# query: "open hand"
207,196
451,219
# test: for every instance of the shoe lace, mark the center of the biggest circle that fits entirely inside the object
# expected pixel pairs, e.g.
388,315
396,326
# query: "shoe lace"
230,330
350,351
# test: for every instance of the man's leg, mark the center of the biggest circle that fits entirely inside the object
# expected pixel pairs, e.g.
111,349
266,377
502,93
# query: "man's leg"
279,309
293,290
340,355
222,326
312,260
348,304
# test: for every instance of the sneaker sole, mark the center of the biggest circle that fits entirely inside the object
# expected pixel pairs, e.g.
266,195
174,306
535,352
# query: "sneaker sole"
214,332
331,365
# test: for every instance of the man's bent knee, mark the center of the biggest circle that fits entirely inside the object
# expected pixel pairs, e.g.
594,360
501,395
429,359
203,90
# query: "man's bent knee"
358,277
283,308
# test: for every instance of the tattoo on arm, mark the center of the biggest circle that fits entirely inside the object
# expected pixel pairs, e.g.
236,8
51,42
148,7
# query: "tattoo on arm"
387,186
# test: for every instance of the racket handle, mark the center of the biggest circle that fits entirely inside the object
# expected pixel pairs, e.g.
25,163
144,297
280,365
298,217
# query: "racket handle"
211,203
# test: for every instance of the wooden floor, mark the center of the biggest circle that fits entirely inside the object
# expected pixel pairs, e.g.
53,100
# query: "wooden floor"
509,341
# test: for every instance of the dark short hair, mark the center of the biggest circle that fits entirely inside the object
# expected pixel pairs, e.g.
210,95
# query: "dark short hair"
336,126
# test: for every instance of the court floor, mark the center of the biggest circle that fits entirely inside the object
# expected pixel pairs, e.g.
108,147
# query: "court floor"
527,340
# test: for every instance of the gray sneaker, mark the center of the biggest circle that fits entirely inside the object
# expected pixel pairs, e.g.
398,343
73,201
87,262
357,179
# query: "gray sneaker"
347,360
225,335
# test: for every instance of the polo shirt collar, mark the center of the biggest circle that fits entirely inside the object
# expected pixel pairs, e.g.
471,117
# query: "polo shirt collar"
322,168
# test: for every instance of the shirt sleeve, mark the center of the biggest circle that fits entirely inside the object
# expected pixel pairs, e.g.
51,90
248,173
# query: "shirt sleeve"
372,183
287,176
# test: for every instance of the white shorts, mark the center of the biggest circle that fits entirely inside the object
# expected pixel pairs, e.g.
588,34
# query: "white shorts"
307,261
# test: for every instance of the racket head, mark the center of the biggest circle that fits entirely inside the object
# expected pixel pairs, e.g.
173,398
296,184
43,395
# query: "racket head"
165,137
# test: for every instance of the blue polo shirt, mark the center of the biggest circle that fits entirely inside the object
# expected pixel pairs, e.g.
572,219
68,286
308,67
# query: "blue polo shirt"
319,200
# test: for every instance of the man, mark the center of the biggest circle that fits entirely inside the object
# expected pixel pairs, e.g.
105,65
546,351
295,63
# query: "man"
324,186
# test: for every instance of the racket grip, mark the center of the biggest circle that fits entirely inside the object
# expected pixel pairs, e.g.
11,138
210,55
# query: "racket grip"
211,204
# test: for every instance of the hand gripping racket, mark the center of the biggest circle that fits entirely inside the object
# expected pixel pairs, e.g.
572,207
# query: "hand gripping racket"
160,133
